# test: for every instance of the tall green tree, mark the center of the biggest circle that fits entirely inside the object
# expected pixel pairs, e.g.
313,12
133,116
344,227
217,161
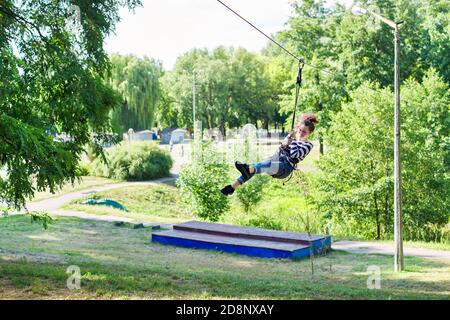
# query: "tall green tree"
233,87
355,188
138,81
52,66
366,47
310,35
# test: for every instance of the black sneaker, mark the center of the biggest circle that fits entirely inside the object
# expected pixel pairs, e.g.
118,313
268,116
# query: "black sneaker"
227,190
243,169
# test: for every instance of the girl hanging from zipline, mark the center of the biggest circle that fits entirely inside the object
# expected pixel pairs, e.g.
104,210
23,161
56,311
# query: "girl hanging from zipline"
294,148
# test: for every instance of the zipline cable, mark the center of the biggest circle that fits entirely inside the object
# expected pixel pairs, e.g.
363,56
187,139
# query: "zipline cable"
260,31
300,60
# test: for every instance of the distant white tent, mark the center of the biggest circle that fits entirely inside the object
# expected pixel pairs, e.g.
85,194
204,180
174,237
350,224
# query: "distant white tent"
144,135
178,136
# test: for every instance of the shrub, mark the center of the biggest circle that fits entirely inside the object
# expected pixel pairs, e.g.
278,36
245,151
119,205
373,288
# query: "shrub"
200,183
250,193
84,169
265,222
134,161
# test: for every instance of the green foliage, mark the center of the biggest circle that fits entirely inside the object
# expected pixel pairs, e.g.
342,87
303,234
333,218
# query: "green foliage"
52,83
200,182
265,221
251,192
41,217
138,80
365,48
426,157
311,34
355,189
134,161
233,87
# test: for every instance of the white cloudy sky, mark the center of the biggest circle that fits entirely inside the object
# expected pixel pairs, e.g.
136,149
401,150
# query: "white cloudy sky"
164,29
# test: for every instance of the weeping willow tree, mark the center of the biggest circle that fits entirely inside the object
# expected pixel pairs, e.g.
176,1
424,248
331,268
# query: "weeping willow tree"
137,80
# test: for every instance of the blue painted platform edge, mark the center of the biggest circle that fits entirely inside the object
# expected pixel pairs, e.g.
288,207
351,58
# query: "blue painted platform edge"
319,247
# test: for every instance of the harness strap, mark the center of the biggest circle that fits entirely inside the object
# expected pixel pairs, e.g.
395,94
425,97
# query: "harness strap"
290,176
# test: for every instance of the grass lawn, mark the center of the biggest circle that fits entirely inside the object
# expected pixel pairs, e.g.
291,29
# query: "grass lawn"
87,182
145,203
121,262
163,204
281,208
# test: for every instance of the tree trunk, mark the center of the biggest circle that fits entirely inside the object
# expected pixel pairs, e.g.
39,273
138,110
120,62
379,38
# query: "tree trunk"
222,128
266,124
319,108
321,145
375,201
208,119
210,103
386,199
377,216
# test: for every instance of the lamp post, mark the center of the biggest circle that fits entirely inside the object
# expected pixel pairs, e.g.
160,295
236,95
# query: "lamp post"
398,233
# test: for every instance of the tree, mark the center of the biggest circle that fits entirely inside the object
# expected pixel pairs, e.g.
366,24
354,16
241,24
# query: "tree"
355,189
365,45
310,35
426,156
199,179
138,80
52,84
233,87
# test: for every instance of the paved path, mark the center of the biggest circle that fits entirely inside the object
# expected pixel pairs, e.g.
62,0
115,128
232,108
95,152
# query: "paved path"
55,203
52,205
384,248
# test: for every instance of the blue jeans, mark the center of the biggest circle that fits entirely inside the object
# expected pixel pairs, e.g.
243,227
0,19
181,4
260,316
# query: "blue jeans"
276,167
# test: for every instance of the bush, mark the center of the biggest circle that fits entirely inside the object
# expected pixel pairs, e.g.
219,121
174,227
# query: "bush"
83,170
134,161
200,183
265,222
250,193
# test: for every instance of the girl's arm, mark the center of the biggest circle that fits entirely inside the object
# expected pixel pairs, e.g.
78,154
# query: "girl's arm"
287,141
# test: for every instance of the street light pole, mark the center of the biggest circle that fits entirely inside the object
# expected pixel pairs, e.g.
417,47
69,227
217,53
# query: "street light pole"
398,232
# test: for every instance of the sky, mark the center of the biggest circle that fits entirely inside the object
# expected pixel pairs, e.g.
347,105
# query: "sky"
165,29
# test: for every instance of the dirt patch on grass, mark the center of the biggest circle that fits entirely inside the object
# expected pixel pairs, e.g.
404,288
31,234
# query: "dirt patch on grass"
9,255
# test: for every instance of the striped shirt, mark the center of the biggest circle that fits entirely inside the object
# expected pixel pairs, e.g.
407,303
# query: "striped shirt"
297,151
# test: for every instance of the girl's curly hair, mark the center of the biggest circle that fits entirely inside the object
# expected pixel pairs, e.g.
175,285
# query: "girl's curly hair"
308,119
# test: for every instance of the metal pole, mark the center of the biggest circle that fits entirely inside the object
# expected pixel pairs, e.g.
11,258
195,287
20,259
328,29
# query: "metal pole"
193,98
398,232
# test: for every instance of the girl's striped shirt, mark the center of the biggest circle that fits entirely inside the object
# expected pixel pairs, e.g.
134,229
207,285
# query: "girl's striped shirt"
298,150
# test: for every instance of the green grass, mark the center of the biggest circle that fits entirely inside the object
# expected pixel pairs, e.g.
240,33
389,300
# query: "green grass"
86,182
146,203
281,208
121,262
